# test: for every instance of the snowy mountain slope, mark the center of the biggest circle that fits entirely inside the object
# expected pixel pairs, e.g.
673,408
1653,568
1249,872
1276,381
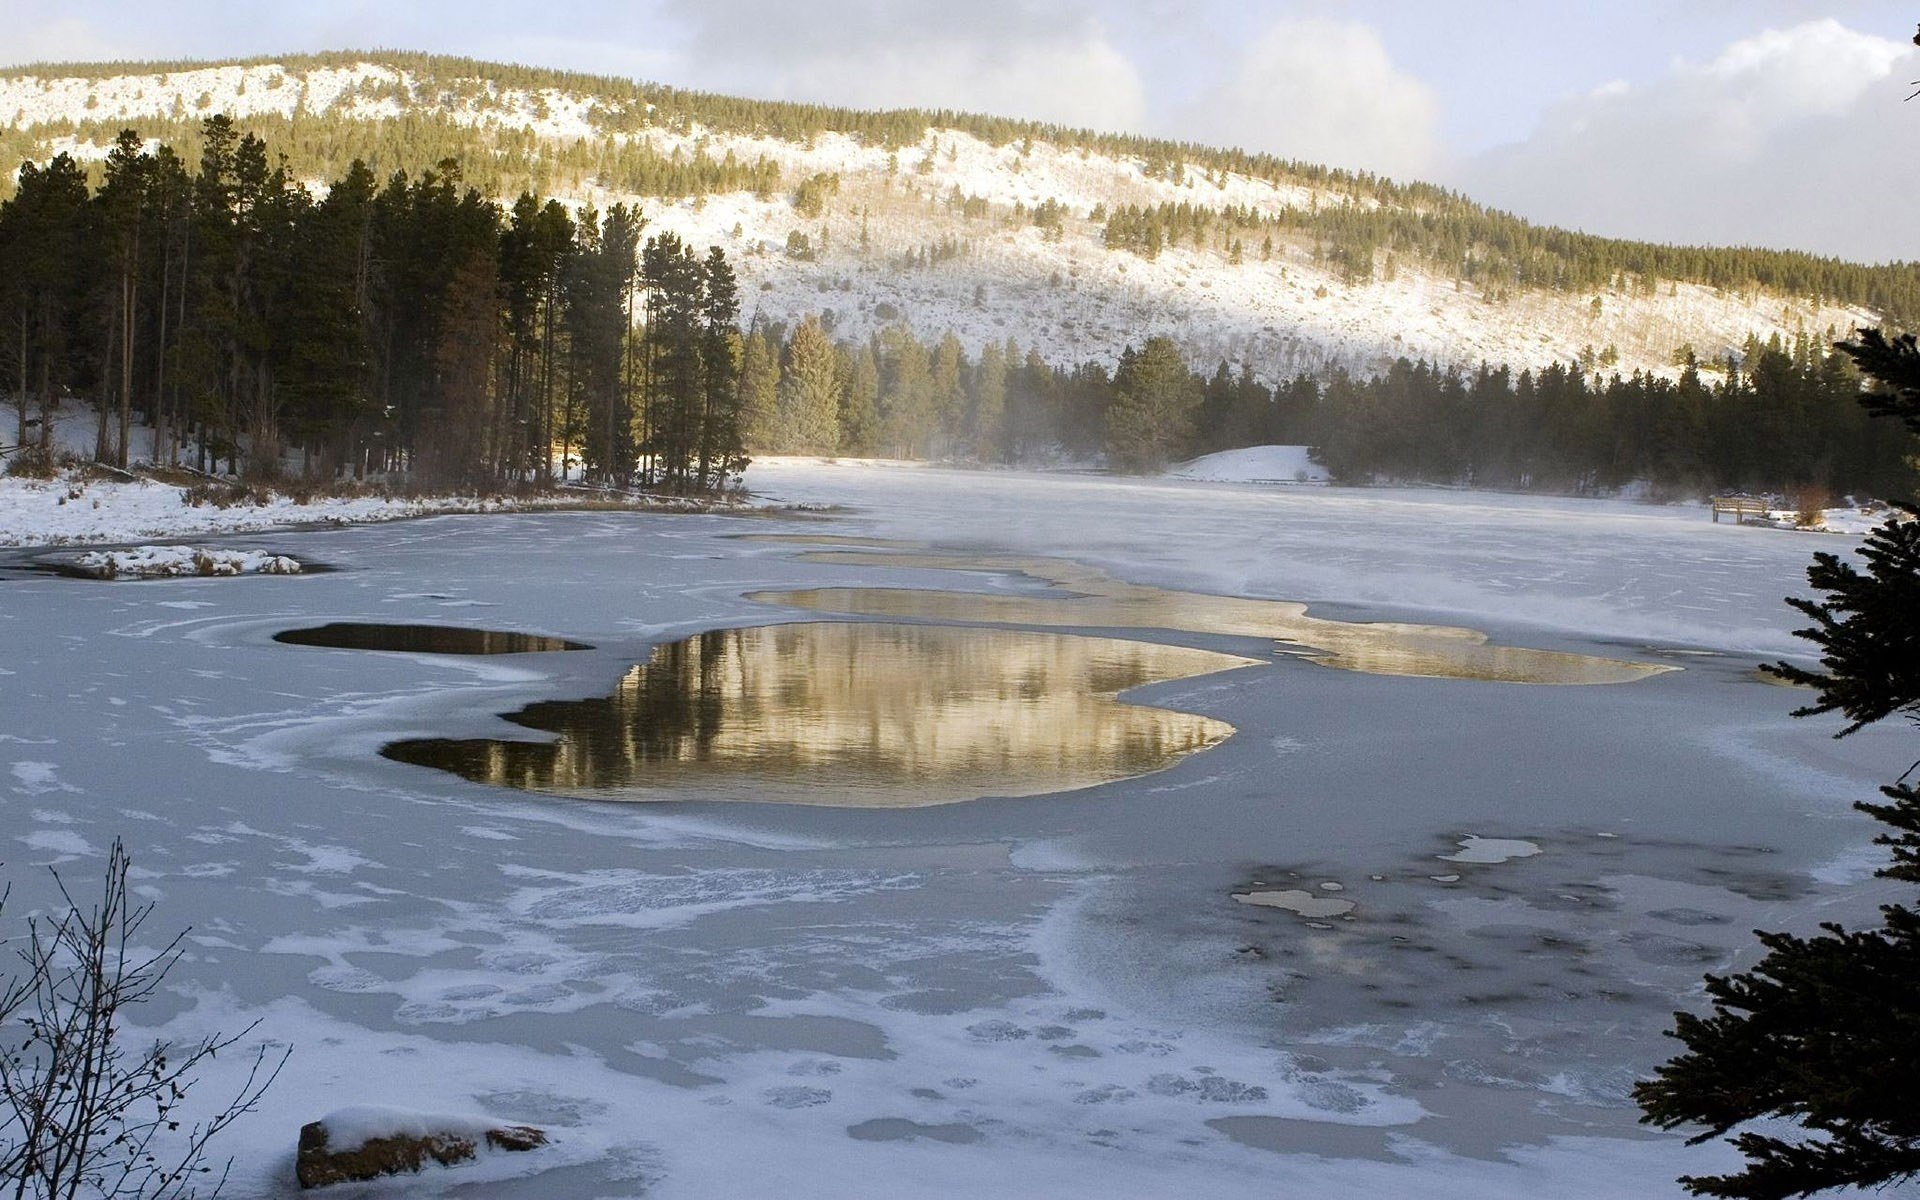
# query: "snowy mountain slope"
1059,290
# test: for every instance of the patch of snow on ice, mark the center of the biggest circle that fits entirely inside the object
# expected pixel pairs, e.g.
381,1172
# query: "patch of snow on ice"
1488,851
1304,903
35,778
58,841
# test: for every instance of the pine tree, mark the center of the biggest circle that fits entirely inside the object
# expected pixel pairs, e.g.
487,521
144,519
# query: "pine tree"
44,248
1155,398
325,378
1825,1031
809,391
722,453
949,397
990,405
860,408
760,391
906,394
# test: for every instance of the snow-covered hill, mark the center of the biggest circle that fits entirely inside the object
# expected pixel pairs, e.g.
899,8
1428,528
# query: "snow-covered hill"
1060,290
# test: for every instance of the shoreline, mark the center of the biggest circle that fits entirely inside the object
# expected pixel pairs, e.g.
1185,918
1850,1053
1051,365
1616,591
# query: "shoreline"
35,516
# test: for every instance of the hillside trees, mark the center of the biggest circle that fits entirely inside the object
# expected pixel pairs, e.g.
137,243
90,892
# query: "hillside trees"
1354,219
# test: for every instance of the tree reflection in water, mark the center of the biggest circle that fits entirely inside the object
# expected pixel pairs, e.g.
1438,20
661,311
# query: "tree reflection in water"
852,714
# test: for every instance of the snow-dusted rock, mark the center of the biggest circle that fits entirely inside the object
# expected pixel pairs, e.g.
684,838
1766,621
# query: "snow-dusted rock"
370,1140
146,562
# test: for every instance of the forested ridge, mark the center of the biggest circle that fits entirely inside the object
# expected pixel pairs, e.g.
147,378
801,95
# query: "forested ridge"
1357,218
221,316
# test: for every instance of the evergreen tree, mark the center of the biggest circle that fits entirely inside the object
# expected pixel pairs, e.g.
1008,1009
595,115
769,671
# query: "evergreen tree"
1155,398
1825,1031
44,245
809,391
860,407
722,452
325,381
907,418
760,390
990,405
949,397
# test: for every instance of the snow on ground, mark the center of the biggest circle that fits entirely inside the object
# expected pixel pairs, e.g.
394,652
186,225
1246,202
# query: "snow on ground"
141,562
1850,519
1053,996
1254,464
72,510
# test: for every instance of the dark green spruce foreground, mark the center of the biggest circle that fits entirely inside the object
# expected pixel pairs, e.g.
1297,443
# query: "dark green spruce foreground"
1824,1032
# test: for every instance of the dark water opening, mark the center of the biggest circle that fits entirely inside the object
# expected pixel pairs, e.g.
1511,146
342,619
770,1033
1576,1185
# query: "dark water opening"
852,714
424,639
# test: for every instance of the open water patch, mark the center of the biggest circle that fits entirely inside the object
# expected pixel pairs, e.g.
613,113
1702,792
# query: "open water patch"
1085,597
852,714
424,639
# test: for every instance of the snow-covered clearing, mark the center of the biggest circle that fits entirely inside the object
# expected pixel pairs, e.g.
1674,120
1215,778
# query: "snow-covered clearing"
1056,995
1253,464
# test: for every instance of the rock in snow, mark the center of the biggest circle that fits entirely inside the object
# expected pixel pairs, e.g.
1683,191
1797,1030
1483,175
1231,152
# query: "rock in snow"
370,1140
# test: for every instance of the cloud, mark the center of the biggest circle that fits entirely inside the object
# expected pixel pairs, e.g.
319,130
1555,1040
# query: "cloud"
59,39
1325,92
1792,137
1051,62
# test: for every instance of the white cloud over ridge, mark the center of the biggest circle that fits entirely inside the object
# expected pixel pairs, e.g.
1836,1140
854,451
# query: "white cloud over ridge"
1794,137
1017,58
1323,92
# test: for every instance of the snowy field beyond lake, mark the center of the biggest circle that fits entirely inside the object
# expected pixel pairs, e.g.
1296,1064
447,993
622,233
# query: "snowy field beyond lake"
1396,936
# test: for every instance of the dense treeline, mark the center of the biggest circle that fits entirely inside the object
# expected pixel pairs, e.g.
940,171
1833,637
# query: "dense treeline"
1365,215
408,326
1779,418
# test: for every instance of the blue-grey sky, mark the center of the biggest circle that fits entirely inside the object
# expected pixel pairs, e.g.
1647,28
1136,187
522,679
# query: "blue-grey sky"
1777,122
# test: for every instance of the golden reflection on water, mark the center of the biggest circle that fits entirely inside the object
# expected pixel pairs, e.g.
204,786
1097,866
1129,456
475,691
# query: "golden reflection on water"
1089,598
853,714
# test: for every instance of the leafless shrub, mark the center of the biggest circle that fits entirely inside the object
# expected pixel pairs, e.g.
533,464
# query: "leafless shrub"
84,1110
1809,503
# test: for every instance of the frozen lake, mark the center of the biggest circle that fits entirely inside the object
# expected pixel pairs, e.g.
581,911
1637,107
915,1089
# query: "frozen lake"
1397,935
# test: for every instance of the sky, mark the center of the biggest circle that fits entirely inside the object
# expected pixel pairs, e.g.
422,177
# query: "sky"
1763,122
